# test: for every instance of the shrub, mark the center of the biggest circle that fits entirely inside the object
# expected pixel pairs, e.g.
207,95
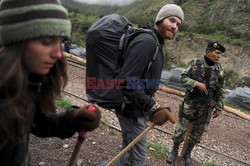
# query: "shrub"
64,103
245,81
167,61
184,27
231,78
233,34
246,36
204,29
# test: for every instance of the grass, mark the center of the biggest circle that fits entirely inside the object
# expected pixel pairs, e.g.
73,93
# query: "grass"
159,151
218,37
209,163
103,126
64,103
224,39
116,132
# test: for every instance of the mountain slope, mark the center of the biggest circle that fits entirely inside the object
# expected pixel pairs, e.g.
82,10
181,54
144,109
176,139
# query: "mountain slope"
232,16
226,21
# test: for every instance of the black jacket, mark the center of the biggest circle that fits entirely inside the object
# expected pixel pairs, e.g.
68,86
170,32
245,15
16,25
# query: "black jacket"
58,125
137,57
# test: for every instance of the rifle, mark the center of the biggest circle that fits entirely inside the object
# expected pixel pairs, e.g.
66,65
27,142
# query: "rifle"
208,108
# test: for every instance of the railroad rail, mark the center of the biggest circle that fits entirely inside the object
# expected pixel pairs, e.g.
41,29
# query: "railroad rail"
79,65
163,131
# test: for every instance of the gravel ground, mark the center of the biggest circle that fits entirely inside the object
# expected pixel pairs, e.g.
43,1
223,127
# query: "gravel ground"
226,134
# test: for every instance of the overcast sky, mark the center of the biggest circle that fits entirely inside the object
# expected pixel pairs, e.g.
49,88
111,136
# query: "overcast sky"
107,2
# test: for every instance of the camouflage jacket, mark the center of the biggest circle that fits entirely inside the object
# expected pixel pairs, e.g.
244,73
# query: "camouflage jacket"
194,72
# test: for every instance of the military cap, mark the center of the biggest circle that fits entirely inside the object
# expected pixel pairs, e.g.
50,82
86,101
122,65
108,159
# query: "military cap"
215,46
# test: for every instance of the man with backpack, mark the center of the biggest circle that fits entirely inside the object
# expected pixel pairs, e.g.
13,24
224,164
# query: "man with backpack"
138,76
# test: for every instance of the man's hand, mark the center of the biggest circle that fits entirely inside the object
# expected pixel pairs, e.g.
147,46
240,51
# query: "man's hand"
216,113
161,116
202,87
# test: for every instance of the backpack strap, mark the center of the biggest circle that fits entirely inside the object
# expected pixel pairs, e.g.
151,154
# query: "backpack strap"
156,51
157,47
121,43
124,38
131,32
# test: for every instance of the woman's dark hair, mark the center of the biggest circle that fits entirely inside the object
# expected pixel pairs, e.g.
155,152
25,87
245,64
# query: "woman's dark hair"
16,104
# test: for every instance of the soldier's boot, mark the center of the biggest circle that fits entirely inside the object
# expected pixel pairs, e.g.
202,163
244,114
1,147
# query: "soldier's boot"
187,155
173,154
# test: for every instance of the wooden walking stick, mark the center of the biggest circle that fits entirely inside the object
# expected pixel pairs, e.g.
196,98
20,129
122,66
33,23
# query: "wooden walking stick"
185,144
129,146
77,148
81,138
116,158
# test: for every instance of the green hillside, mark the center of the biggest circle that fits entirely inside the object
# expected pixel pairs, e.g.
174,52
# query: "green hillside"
143,11
226,21
227,17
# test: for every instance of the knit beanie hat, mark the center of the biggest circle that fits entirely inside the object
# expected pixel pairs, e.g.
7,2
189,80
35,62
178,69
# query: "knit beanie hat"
22,20
169,10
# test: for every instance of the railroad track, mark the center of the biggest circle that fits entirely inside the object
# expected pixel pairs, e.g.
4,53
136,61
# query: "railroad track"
75,64
163,131
81,66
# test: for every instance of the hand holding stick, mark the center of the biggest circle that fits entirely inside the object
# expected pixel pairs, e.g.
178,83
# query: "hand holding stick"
170,117
81,138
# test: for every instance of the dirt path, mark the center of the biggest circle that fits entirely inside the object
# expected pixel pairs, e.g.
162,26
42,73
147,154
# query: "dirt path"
226,134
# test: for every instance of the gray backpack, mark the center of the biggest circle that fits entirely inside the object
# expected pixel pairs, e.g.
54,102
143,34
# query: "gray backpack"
107,40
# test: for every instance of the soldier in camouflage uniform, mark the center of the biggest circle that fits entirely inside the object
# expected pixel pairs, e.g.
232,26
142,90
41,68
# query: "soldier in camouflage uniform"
195,104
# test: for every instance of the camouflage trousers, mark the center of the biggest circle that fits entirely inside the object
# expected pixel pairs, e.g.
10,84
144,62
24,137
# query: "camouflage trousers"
196,116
